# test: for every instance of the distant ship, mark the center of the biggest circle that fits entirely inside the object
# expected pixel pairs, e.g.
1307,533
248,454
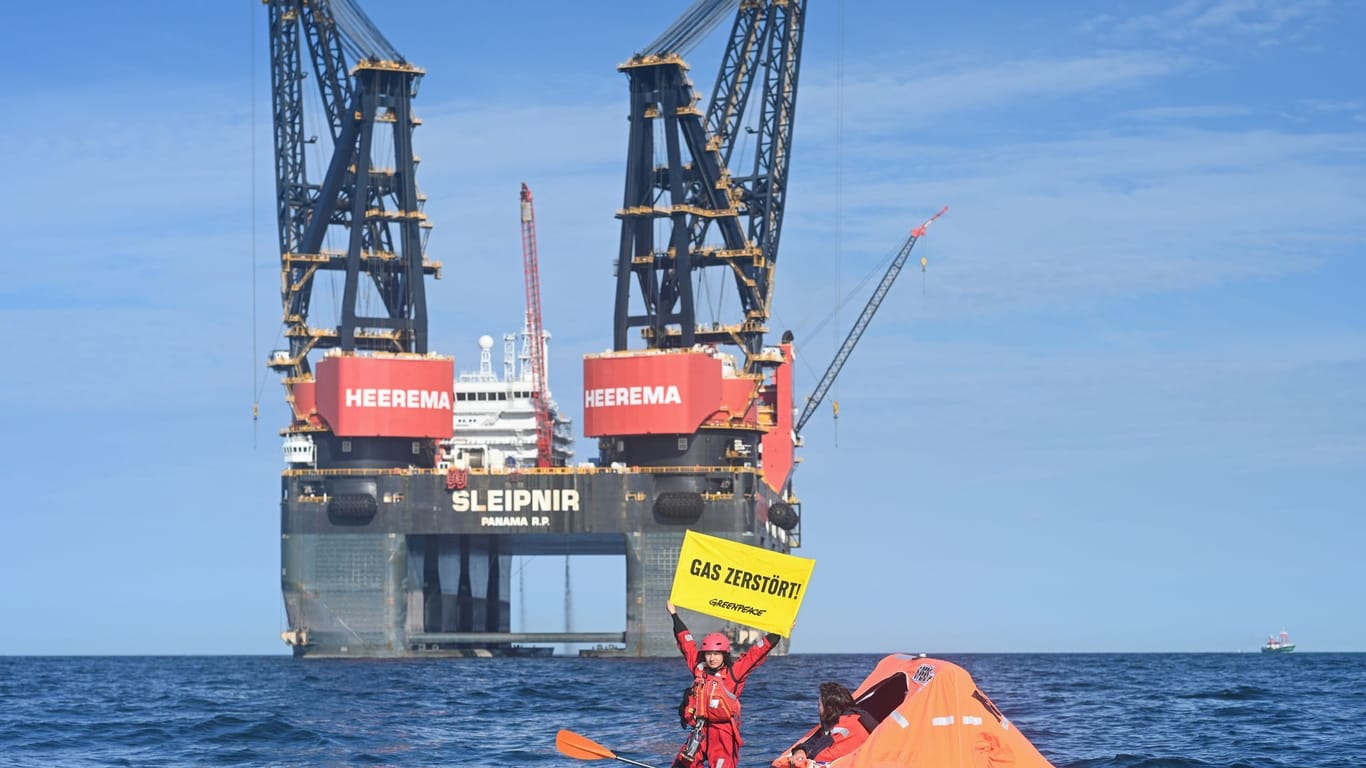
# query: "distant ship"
1278,643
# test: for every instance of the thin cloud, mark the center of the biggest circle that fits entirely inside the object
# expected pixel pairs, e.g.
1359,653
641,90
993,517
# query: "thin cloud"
1335,106
922,95
1068,222
1264,21
1196,113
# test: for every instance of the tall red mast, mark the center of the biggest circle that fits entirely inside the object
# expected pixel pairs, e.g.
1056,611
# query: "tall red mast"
539,396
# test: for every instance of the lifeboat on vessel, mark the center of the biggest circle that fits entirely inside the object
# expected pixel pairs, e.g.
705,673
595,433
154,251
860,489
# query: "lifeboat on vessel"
930,713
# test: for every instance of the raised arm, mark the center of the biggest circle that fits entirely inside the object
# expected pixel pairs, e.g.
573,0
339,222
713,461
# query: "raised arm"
686,644
753,657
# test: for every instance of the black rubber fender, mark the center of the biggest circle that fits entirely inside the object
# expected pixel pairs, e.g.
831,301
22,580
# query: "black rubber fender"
681,507
783,515
352,508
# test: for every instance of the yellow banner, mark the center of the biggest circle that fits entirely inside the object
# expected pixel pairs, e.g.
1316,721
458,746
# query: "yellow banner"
740,583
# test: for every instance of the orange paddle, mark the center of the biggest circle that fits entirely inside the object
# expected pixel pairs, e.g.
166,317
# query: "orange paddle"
583,748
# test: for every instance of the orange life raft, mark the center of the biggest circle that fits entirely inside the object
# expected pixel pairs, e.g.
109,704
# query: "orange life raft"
930,715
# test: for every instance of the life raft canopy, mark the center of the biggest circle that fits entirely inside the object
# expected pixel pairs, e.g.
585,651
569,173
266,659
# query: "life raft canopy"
931,713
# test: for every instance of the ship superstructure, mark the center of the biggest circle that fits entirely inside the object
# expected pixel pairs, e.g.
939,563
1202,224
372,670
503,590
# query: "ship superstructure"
1278,643
495,417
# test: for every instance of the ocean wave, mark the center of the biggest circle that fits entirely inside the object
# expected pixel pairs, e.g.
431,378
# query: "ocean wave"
1102,711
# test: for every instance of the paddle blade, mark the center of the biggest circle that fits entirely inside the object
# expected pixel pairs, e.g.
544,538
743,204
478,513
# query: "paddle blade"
573,745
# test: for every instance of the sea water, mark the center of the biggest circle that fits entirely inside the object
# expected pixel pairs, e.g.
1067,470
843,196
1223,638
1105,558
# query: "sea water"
1300,710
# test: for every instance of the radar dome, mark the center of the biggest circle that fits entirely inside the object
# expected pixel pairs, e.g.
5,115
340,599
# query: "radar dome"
486,342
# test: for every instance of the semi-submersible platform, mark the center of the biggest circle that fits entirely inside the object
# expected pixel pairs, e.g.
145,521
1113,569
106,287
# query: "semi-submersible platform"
397,531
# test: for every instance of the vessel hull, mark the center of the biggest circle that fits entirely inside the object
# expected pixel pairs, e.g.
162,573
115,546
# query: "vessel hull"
406,563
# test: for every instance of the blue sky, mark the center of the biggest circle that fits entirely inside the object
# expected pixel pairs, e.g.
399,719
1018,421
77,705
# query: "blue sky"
1123,410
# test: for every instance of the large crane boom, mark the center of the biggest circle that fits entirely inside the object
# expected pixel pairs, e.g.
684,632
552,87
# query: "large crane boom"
869,309
369,202
536,330
361,223
700,238
688,182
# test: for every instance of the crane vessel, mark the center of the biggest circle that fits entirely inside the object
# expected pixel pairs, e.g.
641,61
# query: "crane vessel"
398,518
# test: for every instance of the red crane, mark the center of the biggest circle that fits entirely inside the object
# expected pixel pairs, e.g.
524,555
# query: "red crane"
539,396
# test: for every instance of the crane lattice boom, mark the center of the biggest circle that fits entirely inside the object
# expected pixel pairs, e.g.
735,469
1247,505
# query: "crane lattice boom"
536,332
864,318
365,200
680,188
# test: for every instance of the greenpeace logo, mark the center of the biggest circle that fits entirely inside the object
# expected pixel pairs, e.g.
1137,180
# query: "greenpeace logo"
610,396
737,607
424,399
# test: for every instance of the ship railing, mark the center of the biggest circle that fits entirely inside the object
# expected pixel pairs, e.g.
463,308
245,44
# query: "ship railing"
581,470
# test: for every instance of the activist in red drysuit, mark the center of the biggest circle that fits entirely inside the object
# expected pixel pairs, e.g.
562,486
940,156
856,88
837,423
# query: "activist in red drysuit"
715,694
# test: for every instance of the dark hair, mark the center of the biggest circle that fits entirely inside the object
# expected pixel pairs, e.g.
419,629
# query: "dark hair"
835,701
726,659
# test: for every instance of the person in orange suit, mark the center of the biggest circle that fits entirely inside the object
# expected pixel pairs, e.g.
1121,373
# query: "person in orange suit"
714,707
843,728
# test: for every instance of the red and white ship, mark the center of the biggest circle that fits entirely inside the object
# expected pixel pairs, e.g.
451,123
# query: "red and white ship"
407,491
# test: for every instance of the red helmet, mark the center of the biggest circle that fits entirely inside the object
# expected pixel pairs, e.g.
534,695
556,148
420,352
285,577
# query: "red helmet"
716,642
